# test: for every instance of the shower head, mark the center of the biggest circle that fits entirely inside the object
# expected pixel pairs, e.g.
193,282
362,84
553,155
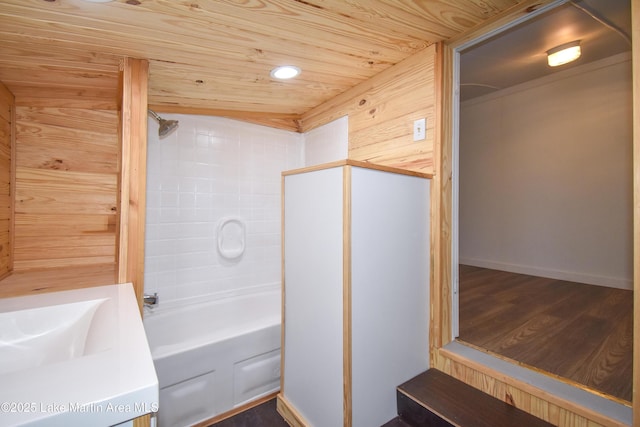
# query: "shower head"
166,126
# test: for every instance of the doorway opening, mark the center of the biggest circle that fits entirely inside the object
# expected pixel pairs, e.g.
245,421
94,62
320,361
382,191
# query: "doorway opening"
542,215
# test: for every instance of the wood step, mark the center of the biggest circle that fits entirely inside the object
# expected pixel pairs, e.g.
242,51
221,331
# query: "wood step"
397,422
435,399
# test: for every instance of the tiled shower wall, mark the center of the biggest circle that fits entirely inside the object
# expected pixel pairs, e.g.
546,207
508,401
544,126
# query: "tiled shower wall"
209,169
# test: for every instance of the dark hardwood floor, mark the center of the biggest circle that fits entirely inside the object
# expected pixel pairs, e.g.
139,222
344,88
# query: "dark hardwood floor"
572,330
263,415
266,415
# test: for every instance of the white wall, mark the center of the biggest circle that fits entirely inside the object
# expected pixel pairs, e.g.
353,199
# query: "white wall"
211,168
546,176
327,143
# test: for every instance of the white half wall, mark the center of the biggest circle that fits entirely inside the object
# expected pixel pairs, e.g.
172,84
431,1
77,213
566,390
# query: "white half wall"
546,176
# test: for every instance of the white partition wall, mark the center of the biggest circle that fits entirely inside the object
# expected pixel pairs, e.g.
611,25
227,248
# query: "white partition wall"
356,292
389,289
313,280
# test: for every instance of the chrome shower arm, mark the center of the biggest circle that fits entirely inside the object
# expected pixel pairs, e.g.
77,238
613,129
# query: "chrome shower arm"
154,115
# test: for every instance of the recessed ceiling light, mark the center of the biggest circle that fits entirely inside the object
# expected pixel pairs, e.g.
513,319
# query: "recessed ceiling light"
564,53
285,72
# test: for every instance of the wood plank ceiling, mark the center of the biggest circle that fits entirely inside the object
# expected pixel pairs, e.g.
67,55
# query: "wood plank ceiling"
214,56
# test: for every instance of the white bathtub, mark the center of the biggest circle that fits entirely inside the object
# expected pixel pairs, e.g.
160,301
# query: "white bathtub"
213,356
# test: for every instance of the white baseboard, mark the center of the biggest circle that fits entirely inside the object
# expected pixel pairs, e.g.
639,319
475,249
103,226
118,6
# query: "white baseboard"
589,279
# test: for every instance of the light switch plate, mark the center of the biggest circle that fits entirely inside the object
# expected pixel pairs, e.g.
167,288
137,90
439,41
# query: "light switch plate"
419,129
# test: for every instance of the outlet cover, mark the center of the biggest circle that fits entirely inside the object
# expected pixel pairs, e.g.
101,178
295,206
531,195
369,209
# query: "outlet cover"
419,129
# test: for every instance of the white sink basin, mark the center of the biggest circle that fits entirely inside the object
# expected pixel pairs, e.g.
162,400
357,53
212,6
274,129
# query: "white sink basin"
75,358
37,336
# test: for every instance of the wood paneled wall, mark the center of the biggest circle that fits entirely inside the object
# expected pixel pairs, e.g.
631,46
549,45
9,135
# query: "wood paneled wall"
7,157
66,179
66,184
382,111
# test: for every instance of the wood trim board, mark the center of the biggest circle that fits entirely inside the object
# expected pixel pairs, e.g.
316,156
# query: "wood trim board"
289,413
366,165
347,353
635,33
8,116
132,186
283,285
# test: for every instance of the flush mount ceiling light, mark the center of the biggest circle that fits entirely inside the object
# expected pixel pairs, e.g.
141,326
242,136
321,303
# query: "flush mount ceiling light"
285,72
564,53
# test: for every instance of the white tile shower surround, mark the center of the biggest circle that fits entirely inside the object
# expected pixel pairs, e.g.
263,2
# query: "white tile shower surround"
212,168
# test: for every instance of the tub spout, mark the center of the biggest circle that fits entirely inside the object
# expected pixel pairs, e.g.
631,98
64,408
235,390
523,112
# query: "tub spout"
151,300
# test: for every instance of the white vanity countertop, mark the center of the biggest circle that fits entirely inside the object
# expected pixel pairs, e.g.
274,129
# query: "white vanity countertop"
112,382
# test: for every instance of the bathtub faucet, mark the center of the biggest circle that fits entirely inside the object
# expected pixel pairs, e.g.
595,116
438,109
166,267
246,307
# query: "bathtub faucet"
151,300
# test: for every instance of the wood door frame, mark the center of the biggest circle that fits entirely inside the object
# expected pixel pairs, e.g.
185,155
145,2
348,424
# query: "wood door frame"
635,36
443,291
